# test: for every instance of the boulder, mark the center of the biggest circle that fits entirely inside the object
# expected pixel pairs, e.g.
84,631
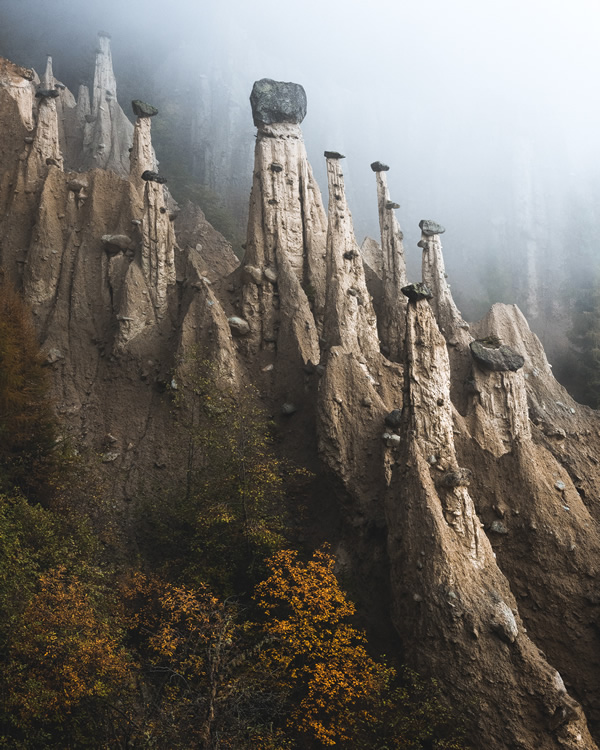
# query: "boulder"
457,478
115,243
333,155
429,228
143,109
151,176
277,101
503,622
239,326
47,94
499,358
415,292
379,166
394,418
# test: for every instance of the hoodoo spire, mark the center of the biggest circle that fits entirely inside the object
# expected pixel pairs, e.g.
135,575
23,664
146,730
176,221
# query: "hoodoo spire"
284,266
108,132
393,307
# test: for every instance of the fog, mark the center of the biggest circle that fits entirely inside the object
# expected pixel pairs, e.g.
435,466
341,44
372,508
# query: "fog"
486,112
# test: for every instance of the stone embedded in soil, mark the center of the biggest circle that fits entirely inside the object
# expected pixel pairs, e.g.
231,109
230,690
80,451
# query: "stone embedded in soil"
277,101
394,418
503,623
239,326
497,359
458,478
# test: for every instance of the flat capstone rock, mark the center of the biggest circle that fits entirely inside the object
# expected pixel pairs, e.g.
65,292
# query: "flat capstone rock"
429,228
416,292
496,358
143,109
333,155
379,166
149,176
277,101
47,94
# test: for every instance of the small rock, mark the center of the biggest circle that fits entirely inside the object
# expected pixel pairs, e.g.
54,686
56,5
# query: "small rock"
498,527
503,622
320,370
270,275
432,459
77,184
276,167
560,485
267,368
28,139
114,243
392,440
253,274
416,292
239,326
394,418
53,356
429,228
288,408
458,478
143,109
333,155
366,402
108,458
391,204
378,166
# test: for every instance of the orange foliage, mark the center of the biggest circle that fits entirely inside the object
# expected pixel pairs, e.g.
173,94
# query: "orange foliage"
64,653
318,655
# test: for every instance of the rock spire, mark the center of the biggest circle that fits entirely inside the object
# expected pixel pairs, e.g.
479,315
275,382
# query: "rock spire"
464,621
392,317
108,132
283,272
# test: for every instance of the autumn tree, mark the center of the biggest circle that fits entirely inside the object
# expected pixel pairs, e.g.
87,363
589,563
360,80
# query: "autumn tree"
67,669
197,654
318,656
337,694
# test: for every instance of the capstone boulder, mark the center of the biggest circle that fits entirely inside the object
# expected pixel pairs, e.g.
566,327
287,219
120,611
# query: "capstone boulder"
277,101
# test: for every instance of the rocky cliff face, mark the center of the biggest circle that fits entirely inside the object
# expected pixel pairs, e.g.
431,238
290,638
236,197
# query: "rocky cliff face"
462,472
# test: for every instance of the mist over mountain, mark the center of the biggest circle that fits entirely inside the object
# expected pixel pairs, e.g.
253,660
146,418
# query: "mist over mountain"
484,115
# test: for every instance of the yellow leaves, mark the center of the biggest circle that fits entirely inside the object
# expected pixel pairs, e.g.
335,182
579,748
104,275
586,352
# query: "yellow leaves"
64,652
323,658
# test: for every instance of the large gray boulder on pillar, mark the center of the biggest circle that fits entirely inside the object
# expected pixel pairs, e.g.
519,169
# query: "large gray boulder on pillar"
277,101
429,228
496,357
143,109
416,292
379,166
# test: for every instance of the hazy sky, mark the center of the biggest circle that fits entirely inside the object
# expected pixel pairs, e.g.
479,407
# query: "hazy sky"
456,95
